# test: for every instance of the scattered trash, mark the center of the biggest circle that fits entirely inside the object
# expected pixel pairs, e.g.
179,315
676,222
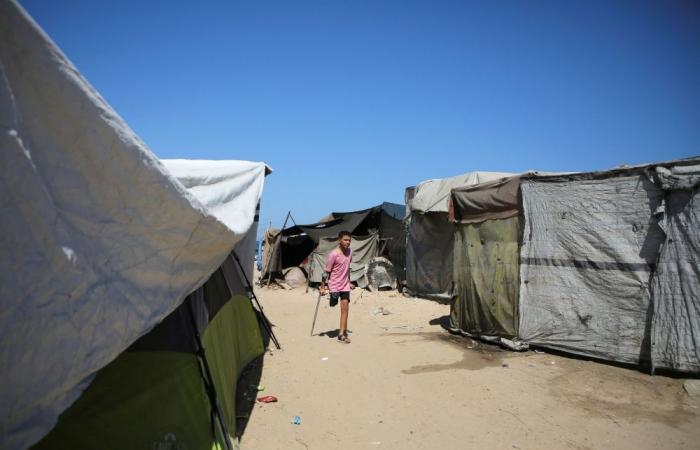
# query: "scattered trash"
267,399
296,420
538,351
261,387
552,362
504,365
325,358
516,446
382,311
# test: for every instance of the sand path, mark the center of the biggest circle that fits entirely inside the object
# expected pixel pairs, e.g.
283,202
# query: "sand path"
406,383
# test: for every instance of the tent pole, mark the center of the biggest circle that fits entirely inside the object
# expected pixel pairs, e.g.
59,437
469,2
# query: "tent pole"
275,247
209,380
265,321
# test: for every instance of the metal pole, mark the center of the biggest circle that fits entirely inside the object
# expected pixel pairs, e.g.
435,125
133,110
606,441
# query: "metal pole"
265,321
209,385
275,248
318,302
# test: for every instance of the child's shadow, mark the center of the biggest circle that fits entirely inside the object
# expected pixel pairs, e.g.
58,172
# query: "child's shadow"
332,333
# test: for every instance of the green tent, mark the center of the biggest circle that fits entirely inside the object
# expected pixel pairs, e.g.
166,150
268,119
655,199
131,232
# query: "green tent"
112,263
485,269
156,394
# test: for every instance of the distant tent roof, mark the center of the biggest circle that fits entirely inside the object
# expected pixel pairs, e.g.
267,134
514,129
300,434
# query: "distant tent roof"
330,225
100,241
433,195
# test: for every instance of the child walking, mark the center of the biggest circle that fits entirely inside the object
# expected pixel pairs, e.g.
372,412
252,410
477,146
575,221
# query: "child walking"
337,273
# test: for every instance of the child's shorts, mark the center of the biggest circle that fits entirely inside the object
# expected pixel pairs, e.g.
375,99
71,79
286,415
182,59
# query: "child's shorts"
335,296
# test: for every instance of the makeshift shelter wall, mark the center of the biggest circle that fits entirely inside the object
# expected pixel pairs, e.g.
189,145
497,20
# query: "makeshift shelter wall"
676,283
429,234
94,222
364,248
589,246
486,271
270,262
394,231
429,246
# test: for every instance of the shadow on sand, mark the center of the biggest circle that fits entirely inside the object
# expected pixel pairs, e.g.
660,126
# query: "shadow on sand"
247,388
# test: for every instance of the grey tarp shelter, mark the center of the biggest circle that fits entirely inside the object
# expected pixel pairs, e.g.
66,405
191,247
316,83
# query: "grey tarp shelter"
307,245
606,264
429,234
101,246
609,264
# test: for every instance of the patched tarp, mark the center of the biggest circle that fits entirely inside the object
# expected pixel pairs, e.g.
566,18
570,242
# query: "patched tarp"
486,275
433,195
589,248
498,199
100,242
429,234
364,248
676,283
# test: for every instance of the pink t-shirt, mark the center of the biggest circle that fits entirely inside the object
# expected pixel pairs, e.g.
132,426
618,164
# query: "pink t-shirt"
338,266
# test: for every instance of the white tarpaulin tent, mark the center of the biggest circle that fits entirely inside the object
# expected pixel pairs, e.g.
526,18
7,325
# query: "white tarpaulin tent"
429,234
100,242
227,189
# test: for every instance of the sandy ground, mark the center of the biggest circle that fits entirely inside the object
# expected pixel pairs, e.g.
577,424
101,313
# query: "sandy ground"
406,383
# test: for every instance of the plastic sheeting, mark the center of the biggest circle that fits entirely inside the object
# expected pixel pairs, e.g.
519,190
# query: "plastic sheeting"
433,195
100,241
429,256
429,234
363,250
676,283
588,250
486,277
228,189
498,199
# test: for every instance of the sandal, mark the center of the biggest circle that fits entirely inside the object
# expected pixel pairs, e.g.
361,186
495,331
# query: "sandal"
344,338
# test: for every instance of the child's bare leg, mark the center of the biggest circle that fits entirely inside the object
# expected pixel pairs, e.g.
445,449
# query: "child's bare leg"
344,309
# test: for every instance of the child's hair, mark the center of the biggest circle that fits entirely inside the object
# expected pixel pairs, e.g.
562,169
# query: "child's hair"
343,234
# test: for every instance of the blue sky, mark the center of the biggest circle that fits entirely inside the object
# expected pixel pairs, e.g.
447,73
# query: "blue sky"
352,101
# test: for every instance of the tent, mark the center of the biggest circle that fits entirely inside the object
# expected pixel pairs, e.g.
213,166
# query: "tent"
429,234
487,230
102,244
601,264
377,230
